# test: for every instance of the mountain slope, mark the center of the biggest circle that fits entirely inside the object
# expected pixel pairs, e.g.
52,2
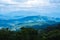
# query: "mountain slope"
29,21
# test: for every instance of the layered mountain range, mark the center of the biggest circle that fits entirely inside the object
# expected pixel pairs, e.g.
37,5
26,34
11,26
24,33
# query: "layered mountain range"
17,22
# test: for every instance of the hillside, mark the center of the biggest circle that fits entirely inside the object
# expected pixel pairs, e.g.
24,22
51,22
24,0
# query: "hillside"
17,23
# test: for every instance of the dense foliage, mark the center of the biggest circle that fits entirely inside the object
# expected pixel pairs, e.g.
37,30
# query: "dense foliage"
49,33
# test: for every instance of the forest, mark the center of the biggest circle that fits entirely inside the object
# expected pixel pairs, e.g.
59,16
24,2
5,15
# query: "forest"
48,33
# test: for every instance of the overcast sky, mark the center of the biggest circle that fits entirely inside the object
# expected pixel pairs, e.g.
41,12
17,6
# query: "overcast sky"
30,7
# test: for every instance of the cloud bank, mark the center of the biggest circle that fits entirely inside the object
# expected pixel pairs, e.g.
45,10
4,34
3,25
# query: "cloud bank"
40,6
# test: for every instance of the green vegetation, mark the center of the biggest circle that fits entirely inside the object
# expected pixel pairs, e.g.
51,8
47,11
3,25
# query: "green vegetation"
49,33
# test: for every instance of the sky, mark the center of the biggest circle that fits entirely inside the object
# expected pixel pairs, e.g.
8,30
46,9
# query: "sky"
30,7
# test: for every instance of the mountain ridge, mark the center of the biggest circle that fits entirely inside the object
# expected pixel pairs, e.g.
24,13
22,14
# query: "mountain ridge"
28,21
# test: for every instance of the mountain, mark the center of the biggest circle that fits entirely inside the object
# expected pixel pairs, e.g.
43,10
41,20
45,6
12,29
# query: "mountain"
28,21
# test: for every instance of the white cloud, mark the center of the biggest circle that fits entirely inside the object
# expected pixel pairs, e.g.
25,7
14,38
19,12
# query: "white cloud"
12,5
42,6
29,3
8,1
